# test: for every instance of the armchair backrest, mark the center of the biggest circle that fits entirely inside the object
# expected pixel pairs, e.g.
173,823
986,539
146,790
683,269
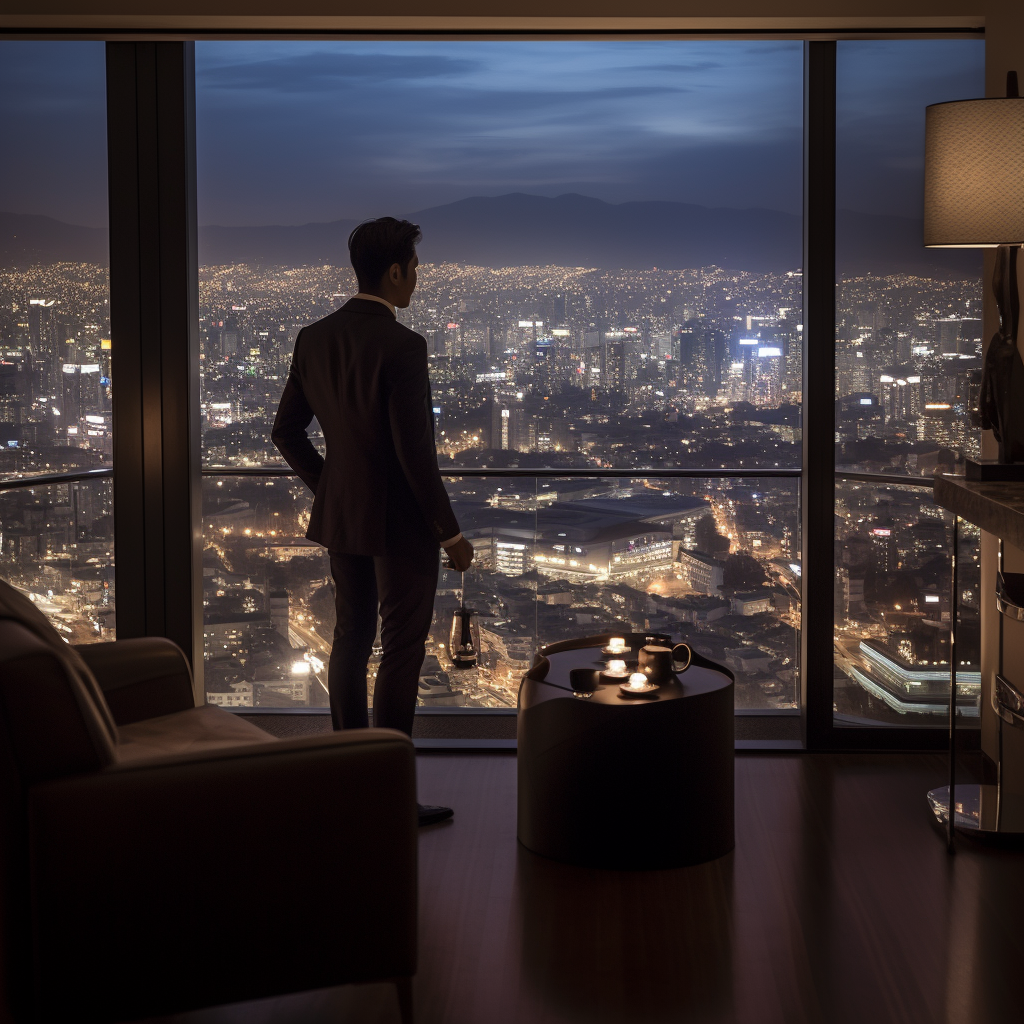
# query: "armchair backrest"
53,718
54,722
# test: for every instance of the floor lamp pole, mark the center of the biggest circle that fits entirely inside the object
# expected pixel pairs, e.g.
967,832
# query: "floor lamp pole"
952,683
999,718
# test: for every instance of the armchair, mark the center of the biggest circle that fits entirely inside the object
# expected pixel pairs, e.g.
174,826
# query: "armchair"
157,857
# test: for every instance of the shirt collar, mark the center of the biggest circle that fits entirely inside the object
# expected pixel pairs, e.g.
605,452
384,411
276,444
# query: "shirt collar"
376,298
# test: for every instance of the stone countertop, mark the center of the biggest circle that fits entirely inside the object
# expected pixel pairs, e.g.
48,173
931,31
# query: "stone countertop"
996,506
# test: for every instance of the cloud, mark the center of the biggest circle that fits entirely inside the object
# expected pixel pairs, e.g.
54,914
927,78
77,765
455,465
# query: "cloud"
317,72
314,131
883,88
55,79
697,67
463,118
53,122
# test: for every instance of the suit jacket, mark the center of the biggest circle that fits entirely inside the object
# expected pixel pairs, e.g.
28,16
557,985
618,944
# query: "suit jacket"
363,376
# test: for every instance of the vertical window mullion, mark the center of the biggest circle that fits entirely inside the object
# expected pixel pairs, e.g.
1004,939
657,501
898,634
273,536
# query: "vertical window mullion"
818,481
155,340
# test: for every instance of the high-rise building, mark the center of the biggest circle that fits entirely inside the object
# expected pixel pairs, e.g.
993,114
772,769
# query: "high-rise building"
512,428
278,600
44,342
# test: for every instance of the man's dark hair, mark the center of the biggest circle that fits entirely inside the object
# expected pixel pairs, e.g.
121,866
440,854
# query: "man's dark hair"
377,244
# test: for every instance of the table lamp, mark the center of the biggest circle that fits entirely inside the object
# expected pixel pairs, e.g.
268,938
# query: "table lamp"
974,198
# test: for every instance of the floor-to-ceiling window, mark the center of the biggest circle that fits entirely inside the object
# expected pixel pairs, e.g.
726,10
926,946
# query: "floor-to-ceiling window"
610,289
56,536
611,294
908,367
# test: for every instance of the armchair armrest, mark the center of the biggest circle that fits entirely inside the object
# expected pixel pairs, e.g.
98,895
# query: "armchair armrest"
140,678
295,860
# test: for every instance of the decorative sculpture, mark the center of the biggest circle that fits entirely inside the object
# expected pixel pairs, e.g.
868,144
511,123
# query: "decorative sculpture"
1001,403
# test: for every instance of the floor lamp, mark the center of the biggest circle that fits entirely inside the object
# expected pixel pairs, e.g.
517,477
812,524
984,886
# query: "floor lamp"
974,198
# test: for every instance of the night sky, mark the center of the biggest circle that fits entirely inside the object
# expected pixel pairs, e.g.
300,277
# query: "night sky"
314,131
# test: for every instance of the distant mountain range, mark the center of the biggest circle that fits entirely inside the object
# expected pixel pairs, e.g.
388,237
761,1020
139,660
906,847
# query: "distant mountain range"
26,239
526,230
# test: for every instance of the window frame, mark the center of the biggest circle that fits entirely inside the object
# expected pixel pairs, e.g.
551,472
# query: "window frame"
157,457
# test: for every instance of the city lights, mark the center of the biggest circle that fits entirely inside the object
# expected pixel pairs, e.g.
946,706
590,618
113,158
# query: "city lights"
578,368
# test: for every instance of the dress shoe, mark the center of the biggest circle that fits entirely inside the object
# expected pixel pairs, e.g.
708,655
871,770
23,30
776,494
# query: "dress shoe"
432,815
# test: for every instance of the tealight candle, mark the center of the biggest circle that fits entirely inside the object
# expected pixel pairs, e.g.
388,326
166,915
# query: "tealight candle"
616,669
638,685
617,643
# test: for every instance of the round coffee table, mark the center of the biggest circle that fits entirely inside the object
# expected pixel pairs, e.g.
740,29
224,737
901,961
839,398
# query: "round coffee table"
617,782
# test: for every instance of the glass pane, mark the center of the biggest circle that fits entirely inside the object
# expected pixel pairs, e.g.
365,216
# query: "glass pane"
612,238
715,562
267,604
712,562
908,319
892,603
908,367
55,369
57,547
499,516
268,597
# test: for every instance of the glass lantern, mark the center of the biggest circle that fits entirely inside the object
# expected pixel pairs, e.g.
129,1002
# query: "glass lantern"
464,639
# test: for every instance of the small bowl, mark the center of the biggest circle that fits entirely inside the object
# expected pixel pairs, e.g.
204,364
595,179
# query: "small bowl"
584,680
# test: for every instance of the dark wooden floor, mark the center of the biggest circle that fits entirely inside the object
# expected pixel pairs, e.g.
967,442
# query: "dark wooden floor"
839,906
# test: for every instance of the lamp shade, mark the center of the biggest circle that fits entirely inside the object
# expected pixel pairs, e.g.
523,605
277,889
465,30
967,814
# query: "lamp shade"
974,173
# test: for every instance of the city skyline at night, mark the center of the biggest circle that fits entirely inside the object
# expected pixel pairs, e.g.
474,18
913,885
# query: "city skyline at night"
540,358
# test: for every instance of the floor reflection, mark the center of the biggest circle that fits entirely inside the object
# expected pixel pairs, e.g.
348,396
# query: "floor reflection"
656,946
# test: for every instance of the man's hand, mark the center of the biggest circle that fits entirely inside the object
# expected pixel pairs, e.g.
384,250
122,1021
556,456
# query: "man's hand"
460,554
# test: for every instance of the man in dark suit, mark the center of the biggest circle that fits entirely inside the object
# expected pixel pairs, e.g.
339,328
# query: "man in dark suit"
380,505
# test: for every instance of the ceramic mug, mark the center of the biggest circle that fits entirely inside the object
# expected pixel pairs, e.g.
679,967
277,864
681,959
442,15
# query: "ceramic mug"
681,653
656,662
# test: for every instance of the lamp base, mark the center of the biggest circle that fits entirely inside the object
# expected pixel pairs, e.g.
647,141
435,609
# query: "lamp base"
980,813
989,470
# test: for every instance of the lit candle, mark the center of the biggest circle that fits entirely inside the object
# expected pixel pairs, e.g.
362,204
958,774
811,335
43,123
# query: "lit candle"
616,667
638,685
617,643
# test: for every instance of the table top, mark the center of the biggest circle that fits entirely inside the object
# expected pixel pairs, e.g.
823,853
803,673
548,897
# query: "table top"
691,682
996,506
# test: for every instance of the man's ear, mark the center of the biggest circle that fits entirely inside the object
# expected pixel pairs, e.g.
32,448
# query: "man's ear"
395,273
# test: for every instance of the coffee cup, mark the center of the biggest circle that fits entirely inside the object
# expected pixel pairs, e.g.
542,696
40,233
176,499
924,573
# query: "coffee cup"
681,655
656,662
583,680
